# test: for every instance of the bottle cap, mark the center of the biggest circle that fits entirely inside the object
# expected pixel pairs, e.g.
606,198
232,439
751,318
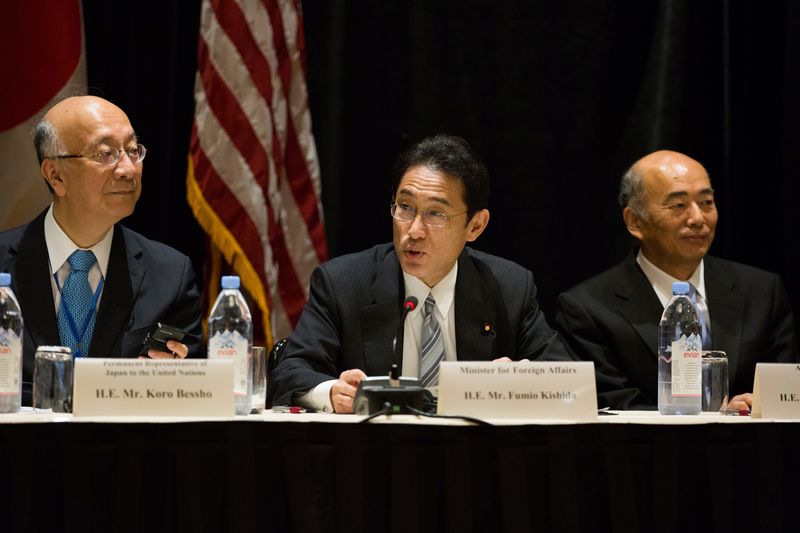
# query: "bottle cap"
680,287
5,279
230,282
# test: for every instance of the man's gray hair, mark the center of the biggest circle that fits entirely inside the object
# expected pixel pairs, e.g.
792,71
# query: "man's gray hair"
46,140
631,192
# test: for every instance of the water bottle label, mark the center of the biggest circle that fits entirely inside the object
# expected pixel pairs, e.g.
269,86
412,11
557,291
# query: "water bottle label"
10,355
687,366
229,345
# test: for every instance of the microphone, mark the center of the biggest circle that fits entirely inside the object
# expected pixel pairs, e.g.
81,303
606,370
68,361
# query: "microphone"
392,394
409,305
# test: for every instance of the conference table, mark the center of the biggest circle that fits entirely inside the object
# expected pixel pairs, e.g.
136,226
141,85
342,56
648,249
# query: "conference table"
627,471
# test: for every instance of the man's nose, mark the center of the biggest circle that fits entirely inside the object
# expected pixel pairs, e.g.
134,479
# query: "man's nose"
696,215
417,230
126,169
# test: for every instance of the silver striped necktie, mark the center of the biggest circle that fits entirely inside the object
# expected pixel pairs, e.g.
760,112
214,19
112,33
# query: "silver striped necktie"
431,351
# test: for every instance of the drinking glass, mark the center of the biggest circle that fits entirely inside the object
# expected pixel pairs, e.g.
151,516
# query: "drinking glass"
259,369
715,381
52,380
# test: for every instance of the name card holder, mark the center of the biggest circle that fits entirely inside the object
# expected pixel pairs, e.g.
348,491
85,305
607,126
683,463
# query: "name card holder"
545,390
776,391
153,387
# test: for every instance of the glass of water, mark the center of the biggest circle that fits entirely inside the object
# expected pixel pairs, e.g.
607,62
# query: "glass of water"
715,381
52,380
259,368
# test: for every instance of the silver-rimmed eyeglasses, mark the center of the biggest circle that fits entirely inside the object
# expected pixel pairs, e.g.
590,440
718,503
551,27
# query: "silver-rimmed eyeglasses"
111,156
431,218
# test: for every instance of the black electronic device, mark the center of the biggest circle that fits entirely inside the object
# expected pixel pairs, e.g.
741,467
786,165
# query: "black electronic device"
393,393
157,339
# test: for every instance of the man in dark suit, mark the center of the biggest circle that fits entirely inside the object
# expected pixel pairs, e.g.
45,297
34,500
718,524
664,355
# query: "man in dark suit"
472,306
612,319
92,163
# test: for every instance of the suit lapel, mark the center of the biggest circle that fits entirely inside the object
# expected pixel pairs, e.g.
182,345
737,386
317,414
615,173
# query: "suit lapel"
123,279
725,308
473,310
640,304
380,319
32,280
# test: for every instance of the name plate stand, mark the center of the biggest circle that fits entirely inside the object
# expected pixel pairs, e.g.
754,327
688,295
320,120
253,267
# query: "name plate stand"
153,387
544,390
776,391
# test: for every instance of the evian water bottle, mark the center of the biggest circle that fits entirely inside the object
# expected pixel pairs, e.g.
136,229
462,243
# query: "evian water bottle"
10,348
230,336
680,360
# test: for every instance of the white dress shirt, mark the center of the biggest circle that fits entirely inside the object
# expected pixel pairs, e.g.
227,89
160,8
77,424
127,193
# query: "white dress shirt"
444,312
319,398
662,282
60,247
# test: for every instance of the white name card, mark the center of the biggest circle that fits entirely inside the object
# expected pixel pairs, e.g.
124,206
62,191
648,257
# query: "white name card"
153,387
776,391
518,390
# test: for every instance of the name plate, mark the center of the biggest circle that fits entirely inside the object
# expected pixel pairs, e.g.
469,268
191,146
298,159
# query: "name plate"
776,391
518,390
153,387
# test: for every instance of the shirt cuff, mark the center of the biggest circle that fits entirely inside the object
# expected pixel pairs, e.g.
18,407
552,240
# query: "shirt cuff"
318,398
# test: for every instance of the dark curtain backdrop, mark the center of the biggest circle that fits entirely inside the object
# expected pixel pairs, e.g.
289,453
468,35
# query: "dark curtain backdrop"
557,97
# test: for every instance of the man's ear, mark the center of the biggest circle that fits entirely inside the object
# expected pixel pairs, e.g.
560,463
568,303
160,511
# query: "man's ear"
633,222
53,172
478,223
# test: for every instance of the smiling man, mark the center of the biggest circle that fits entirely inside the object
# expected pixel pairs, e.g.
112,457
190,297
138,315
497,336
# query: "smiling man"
472,305
612,319
83,280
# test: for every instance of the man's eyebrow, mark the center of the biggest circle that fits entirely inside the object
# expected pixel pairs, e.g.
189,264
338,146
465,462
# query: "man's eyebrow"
437,199
676,194
682,194
108,140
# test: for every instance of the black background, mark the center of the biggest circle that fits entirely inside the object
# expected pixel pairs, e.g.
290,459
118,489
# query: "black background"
557,97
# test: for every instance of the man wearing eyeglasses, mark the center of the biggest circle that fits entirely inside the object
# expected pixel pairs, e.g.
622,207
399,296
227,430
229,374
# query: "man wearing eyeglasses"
83,280
472,305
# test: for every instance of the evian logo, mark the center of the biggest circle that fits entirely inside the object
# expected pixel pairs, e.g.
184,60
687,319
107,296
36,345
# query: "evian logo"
9,340
226,344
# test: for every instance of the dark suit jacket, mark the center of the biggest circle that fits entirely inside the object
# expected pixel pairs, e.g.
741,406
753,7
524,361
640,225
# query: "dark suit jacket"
146,282
612,319
354,310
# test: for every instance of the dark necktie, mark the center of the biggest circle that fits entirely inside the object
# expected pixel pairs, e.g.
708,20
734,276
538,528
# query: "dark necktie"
76,312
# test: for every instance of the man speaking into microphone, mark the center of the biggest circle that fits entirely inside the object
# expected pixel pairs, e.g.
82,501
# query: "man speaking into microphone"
469,305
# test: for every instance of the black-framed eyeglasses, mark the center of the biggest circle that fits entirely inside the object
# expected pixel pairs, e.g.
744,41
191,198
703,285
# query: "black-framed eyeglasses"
110,156
431,218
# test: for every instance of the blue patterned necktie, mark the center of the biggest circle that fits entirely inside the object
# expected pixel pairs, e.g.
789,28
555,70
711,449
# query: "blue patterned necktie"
76,312
431,351
702,313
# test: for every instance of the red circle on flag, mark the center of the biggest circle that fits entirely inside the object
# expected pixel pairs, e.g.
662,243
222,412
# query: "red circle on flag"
41,42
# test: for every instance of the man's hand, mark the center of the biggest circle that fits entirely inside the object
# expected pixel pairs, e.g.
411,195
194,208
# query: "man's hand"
179,351
741,401
344,390
508,360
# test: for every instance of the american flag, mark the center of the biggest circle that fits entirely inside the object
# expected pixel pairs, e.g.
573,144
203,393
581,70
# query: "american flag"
253,179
